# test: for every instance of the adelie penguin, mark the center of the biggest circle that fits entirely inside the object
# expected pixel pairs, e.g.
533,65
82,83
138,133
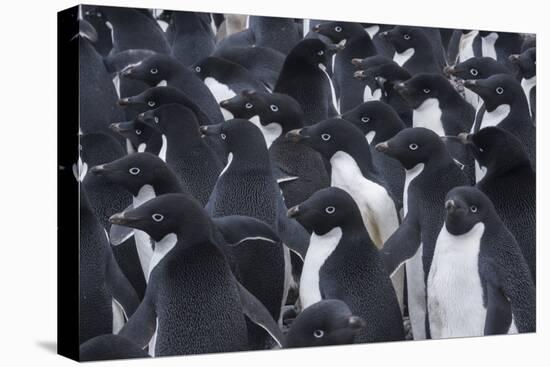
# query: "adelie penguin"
500,45
527,65
187,258
304,77
357,44
280,34
142,137
509,182
192,39
343,263
299,170
479,283
430,173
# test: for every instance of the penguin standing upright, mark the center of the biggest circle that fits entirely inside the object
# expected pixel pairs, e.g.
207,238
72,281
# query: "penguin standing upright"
479,282
430,174
527,65
343,263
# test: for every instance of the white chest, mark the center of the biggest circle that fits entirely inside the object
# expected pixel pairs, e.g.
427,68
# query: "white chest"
371,95
332,91
527,85
270,131
428,115
495,117
401,58
320,248
370,136
410,175
220,92
162,248
488,45
455,294
372,30
143,242
466,46
377,208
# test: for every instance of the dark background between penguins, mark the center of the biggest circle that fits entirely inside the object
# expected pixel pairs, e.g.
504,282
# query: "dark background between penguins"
330,244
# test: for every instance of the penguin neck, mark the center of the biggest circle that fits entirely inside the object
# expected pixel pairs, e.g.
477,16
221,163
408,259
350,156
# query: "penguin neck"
167,183
517,165
249,155
179,133
439,159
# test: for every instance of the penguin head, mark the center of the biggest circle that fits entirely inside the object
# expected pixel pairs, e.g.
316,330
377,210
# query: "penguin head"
404,37
339,31
497,90
170,113
424,86
213,66
241,106
137,132
132,171
465,206
327,322
152,70
327,209
328,136
475,68
496,149
239,136
376,119
166,214
526,62
412,146
312,51
149,99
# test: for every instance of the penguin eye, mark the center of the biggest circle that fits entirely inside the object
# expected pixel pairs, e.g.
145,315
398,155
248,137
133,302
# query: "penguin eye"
320,52
474,71
156,119
154,70
274,108
248,105
157,217
473,209
325,137
499,90
134,171
406,36
338,29
198,69
330,209
223,136
138,132
413,146
426,90
318,333
151,103
365,119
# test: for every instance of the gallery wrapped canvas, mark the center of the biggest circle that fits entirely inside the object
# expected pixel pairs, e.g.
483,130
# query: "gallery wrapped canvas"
236,183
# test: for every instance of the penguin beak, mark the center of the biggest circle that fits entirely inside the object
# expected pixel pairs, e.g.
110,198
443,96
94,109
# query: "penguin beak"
224,103
127,71
141,117
449,70
316,28
120,127
210,130
356,62
400,87
122,219
360,74
293,212
124,101
514,58
98,170
296,135
465,138
450,206
382,147
384,34
356,323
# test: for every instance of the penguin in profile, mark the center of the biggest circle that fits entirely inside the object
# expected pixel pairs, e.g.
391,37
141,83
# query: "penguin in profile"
479,283
527,65
304,77
109,346
142,137
379,122
505,106
225,79
358,44
327,322
192,38
187,258
343,263
159,70
509,181
430,173
299,170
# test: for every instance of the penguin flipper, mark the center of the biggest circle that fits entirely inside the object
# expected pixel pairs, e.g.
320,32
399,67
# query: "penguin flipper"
237,229
258,314
292,233
141,327
401,246
499,311
120,288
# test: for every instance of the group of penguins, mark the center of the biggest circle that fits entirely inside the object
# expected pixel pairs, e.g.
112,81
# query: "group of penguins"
251,182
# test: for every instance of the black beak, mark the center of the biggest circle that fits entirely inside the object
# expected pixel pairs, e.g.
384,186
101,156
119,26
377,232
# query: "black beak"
316,28
356,62
470,83
382,147
124,101
293,212
356,323
514,58
224,103
400,87
449,70
465,138
384,34
295,135
360,74
450,206
122,126
122,219
127,71
98,170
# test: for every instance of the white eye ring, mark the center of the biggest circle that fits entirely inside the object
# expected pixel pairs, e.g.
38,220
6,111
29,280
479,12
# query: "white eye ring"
338,28
474,71
138,131
151,103
426,90
473,209
248,105
413,146
330,209
198,69
274,108
156,119
499,90
223,136
318,333
365,119
134,171
325,137
157,217
320,52
154,70
406,36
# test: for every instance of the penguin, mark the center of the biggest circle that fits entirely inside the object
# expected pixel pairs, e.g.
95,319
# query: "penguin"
225,79
106,296
159,70
280,34
94,15
343,263
527,65
413,50
299,170
430,173
510,183
187,258
109,346
192,39
463,45
500,45
505,106
304,78
194,162
142,137
263,63
479,283
379,122
327,322
374,30
357,44
373,91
